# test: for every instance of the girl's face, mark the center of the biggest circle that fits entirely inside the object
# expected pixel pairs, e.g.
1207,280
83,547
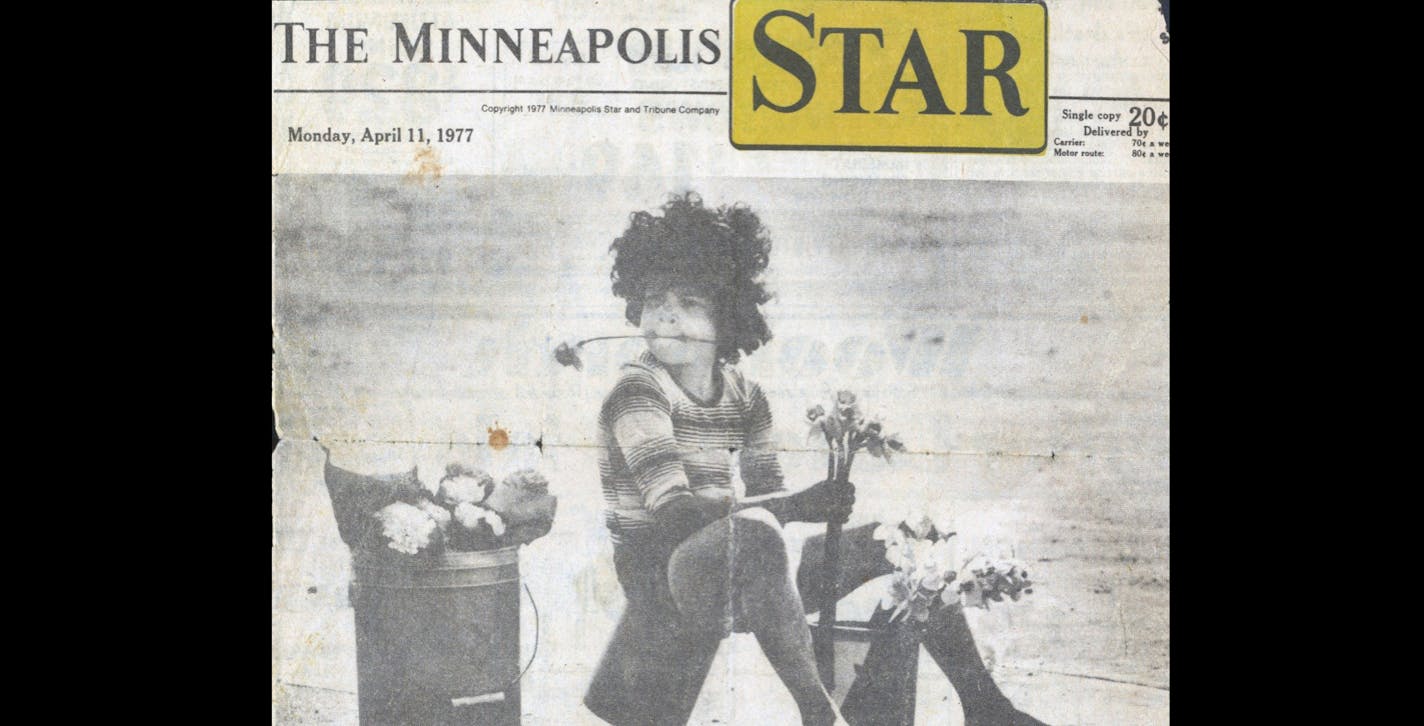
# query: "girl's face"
678,311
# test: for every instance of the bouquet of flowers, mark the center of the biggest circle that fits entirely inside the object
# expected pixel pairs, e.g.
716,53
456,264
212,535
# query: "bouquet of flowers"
925,578
846,431
456,508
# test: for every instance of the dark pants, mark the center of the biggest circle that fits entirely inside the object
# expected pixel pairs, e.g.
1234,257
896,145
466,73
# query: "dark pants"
653,670
655,664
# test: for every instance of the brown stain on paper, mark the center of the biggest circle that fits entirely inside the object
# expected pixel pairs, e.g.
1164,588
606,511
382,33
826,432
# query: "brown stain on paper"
498,438
427,165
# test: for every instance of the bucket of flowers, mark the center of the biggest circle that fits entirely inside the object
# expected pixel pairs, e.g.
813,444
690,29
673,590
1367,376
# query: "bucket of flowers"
461,509
436,588
924,581
925,577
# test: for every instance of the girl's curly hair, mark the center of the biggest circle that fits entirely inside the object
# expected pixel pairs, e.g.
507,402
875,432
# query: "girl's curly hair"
720,252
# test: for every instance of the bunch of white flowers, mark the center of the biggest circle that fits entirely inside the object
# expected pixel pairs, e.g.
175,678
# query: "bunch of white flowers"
408,528
449,507
923,569
471,515
925,575
470,487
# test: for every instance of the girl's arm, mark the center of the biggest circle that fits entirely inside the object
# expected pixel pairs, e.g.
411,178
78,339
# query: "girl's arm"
760,468
775,503
816,503
642,428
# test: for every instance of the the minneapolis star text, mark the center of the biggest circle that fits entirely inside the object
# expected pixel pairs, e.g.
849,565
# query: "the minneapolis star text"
426,43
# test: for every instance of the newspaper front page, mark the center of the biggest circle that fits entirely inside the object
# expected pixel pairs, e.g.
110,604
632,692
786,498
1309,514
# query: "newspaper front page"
720,363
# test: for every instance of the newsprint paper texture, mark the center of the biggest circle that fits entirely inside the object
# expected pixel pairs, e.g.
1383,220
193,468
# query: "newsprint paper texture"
955,211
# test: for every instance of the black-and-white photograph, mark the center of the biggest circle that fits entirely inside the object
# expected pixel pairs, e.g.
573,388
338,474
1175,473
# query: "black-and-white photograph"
662,451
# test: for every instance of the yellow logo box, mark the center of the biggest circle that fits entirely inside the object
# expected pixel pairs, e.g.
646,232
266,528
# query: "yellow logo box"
890,75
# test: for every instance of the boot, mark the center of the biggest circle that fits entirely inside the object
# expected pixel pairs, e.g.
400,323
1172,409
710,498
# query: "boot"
947,639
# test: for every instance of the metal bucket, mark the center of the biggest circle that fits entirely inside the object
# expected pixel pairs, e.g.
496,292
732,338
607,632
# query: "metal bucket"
876,673
437,641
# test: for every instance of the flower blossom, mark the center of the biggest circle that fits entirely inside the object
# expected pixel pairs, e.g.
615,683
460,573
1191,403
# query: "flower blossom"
407,528
528,480
438,513
471,515
992,581
845,406
923,568
567,355
468,486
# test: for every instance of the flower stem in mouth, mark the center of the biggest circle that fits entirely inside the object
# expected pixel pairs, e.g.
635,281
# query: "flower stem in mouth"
684,338
568,355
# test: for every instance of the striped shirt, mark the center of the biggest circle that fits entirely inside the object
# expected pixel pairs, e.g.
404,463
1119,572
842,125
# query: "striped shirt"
658,443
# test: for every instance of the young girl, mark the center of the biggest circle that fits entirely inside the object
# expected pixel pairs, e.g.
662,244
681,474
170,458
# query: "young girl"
693,562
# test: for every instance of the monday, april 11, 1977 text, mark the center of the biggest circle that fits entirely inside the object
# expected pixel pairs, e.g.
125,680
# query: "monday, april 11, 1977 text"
446,135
